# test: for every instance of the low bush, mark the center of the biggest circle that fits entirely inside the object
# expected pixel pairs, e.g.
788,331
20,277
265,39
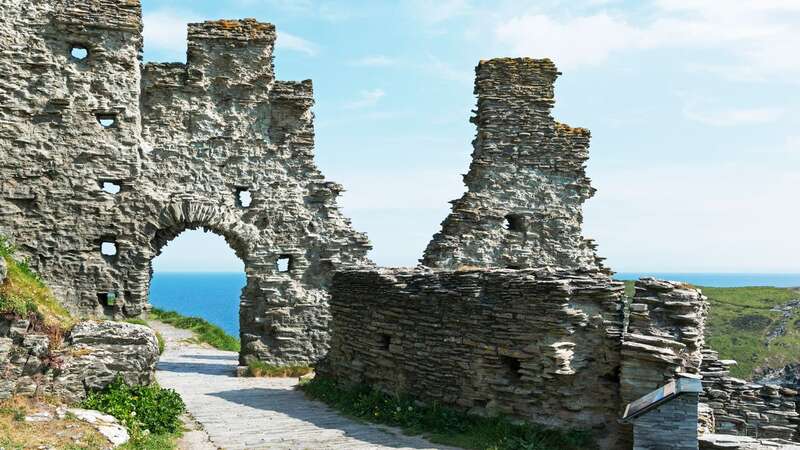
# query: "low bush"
443,425
257,368
203,330
143,409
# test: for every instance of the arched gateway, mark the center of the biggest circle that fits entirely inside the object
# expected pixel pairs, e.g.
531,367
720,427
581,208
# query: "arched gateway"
119,158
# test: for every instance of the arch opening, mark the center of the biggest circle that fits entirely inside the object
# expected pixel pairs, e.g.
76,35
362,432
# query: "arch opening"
198,273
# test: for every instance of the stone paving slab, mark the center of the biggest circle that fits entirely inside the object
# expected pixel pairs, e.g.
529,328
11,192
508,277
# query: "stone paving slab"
260,413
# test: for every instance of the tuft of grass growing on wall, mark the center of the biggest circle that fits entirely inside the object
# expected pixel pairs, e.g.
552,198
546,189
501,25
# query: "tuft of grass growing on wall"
203,330
257,368
443,425
23,294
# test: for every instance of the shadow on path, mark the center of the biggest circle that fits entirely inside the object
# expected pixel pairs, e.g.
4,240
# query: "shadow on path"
204,368
293,403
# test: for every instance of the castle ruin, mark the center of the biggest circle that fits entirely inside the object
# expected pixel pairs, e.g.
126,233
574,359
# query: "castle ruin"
103,160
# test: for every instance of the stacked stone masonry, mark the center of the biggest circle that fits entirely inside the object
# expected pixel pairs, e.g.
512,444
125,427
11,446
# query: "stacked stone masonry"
527,181
99,151
542,345
744,408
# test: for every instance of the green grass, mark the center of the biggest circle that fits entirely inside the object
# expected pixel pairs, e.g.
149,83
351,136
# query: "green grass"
739,321
257,368
443,425
203,330
23,294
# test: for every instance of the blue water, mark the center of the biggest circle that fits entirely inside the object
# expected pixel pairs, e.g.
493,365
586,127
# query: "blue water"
215,296
212,296
721,279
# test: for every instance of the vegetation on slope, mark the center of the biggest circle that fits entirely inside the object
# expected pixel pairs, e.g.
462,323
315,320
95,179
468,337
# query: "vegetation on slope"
751,325
24,295
203,330
442,425
748,325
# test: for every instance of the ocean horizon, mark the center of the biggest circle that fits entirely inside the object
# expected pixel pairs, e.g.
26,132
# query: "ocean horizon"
214,296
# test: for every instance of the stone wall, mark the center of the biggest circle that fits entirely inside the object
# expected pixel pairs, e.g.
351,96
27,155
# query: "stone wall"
527,182
745,408
542,345
91,355
670,426
183,147
664,336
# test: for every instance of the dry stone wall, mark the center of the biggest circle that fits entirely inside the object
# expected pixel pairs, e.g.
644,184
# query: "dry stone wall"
542,345
527,181
102,152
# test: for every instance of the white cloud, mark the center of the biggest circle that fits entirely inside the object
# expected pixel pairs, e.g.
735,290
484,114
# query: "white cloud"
732,117
165,33
375,61
446,71
758,37
437,11
366,99
295,43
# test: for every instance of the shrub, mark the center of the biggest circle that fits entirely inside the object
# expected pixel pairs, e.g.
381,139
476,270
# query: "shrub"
140,408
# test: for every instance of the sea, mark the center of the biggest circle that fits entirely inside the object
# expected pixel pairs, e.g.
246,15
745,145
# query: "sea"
214,296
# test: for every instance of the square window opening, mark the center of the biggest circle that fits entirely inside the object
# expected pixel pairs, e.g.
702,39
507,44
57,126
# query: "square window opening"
107,120
108,248
243,198
78,52
385,341
284,263
513,368
515,222
111,187
107,299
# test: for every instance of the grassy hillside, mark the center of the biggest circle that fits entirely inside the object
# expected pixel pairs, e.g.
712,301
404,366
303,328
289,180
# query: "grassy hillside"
23,294
752,325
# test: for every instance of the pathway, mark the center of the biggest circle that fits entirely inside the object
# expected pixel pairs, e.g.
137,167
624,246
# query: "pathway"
258,413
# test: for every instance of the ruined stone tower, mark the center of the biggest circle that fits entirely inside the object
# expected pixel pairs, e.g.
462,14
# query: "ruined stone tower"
100,152
527,181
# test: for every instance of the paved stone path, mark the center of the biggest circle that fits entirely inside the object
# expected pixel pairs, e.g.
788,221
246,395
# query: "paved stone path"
259,413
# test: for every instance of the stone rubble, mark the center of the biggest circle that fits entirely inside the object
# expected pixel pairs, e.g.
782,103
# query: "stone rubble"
92,354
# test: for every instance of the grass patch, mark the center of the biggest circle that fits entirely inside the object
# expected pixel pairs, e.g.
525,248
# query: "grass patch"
443,425
740,319
203,330
24,295
261,369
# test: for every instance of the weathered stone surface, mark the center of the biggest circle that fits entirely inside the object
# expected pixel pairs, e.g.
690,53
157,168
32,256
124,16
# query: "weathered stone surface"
538,344
3,269
89,358
105,424
186,141
744,408
527,181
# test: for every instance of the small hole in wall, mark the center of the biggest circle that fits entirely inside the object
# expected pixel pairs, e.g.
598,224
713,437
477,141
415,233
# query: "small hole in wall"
515,222
110,187
385,341
284,263
512,367
107,120
243,198
108,248
79,52
107,299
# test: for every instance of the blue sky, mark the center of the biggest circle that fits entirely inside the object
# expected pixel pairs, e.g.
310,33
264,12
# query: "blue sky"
692,106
